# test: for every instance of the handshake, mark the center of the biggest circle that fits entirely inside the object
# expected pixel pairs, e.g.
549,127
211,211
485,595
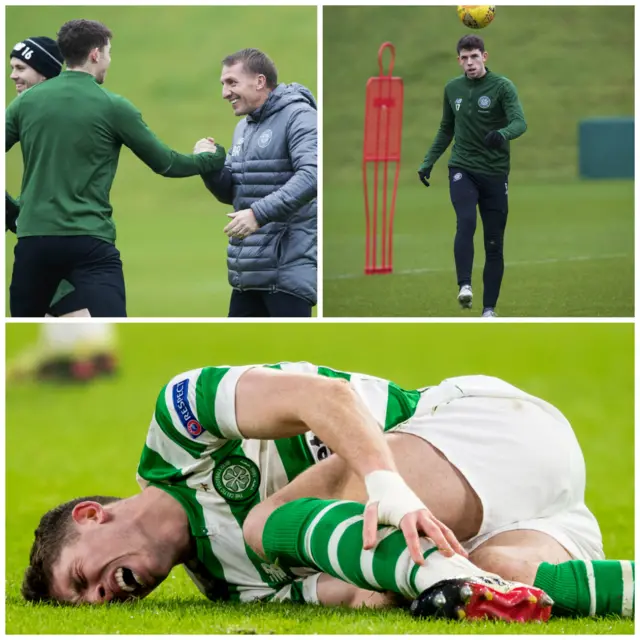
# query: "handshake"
207,145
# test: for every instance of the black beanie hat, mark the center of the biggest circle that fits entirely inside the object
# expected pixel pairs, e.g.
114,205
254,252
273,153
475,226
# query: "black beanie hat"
40,53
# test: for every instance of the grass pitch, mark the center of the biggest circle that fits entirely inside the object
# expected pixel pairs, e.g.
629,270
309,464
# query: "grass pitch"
564,256
166,60
66,441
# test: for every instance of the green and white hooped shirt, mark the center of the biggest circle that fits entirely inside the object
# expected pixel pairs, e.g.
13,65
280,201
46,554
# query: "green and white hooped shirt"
196,453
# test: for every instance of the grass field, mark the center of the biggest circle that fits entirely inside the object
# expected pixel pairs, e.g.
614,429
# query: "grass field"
65,441
166,60
568,245
563,256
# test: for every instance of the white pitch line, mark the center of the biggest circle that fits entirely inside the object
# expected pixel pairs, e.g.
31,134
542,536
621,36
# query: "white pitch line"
524,263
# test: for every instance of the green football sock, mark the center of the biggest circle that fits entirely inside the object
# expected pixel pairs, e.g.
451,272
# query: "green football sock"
327,535
591,588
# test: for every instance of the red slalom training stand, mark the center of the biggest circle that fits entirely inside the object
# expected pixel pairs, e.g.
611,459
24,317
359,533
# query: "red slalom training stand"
382,142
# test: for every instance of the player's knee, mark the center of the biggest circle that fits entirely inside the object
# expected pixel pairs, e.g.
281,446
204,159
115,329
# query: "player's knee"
493,246
506,563
252,529
253,526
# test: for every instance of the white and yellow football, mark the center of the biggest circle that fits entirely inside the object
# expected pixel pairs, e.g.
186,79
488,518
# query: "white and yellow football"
476,16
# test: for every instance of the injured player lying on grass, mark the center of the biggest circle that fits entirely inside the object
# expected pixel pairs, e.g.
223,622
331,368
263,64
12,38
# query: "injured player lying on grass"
303,483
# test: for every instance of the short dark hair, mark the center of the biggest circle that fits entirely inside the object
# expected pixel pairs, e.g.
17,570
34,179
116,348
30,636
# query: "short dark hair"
77,38
469,43
54,532
257,62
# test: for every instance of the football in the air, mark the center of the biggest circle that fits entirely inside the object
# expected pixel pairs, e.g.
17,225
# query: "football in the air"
476,16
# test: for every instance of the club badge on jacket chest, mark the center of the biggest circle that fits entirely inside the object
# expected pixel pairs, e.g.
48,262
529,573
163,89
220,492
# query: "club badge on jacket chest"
259,145
482,107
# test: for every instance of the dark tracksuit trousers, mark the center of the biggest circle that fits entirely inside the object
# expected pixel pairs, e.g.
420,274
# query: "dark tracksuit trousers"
256,303
489,193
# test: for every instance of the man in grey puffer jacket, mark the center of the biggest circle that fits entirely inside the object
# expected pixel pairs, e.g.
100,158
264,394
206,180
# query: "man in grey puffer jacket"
270,178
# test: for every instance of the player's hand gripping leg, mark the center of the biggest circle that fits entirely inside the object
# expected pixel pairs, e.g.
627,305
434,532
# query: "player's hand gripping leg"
392,502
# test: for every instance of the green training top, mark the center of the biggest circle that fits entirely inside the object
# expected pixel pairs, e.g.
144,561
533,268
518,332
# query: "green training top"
472,108
71,130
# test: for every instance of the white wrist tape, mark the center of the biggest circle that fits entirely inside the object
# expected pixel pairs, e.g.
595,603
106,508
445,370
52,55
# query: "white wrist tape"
394,497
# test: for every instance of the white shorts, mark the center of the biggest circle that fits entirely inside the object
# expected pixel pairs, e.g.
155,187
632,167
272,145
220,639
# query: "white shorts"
518,453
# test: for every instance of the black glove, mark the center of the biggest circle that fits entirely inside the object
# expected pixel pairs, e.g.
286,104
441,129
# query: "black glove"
494,140
424,174
11,212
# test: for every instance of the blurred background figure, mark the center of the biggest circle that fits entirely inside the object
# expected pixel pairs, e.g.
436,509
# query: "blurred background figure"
67,353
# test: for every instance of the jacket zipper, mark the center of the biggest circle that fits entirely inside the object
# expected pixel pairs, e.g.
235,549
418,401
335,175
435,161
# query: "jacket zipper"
245,144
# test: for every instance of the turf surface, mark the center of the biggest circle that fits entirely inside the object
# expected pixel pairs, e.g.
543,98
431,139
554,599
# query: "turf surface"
569,242
561,259
166,60
66,441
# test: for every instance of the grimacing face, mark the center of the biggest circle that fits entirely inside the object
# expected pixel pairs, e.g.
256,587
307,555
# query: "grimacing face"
245,91
23,75
473,62
108,560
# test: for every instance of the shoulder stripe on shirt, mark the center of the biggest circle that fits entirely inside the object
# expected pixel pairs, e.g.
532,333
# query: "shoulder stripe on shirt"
225,402
154,468
165,422
206,391
401,405
333,373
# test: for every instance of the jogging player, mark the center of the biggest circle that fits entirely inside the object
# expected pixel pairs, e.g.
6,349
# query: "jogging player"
33,61
71,130
481,113
233,455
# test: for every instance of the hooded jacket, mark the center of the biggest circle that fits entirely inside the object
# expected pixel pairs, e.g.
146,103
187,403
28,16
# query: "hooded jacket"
272,168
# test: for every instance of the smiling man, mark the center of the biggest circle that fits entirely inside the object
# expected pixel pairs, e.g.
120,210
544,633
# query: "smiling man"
32,61
481,114
270,178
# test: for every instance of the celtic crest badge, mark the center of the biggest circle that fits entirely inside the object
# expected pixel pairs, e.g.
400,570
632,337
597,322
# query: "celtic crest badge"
236,479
